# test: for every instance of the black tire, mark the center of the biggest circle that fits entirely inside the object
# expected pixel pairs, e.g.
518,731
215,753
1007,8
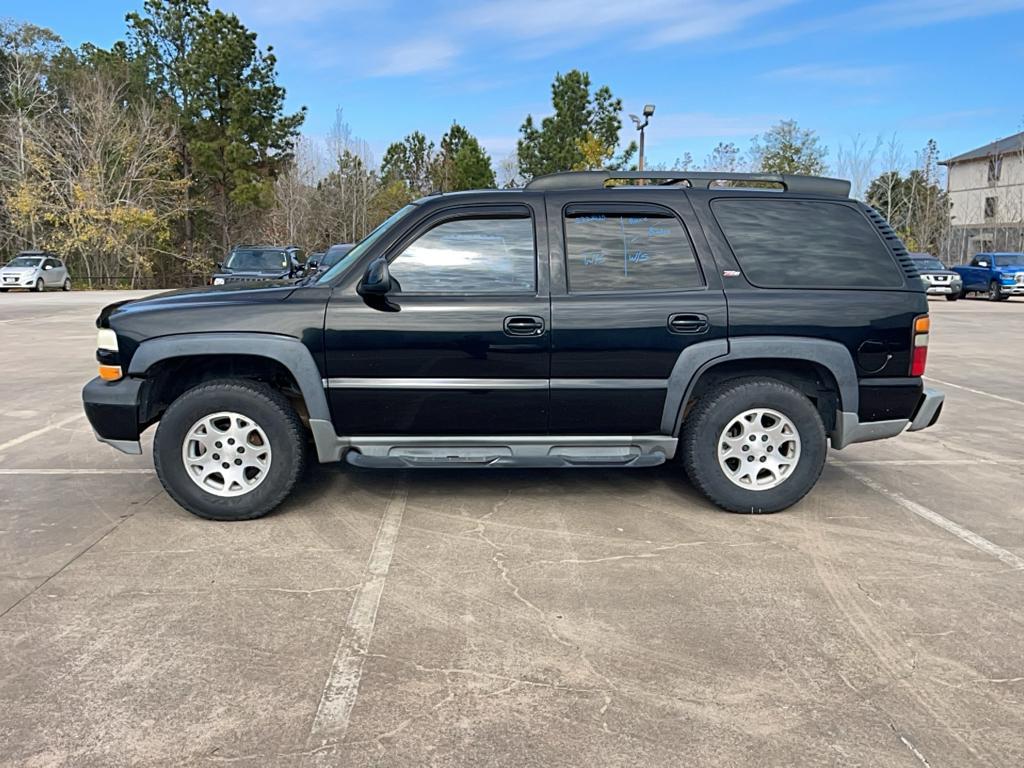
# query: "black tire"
267,408
67,284
995,292
952,296
714,412
39,286
4,290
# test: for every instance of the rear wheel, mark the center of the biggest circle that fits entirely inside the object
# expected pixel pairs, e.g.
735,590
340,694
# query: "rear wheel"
754,445
229,449
67,284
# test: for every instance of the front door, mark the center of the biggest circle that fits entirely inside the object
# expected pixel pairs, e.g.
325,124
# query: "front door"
629,294
466,347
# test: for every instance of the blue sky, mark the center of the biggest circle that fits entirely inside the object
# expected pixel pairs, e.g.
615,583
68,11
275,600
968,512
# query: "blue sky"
717,71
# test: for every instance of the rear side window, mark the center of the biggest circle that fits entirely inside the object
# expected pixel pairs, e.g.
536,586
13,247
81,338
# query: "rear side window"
628,251
805,244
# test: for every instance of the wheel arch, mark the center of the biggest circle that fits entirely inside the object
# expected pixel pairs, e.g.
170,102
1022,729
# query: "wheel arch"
243,354
801,361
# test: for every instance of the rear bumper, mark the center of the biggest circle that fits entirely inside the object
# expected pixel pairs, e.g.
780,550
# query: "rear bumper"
112,408
850,429
928,410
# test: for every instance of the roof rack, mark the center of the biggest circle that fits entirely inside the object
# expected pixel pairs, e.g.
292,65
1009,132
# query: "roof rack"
807,185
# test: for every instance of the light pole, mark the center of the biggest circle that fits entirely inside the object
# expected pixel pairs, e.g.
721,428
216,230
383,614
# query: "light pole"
648,114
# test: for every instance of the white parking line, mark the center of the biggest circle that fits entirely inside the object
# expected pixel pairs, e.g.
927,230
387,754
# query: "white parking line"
342,686
980,542
77,472
975,391
41,431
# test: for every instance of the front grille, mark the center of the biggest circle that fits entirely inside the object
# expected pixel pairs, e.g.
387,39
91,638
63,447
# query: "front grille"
899,250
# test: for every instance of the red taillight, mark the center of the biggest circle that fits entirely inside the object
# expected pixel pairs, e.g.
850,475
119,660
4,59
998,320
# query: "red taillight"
919,361
919,353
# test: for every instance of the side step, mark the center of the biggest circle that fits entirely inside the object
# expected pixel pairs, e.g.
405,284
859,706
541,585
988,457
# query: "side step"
545,451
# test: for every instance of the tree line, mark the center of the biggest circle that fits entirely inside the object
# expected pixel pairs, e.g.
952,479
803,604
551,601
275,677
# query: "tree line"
145,162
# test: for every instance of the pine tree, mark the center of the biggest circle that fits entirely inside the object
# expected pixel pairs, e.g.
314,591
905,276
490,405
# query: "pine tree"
583,131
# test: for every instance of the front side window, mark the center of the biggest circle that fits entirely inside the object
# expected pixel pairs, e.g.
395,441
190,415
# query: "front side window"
805,244
472,255
628,251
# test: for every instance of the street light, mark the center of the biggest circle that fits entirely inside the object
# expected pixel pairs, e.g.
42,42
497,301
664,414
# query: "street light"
648,114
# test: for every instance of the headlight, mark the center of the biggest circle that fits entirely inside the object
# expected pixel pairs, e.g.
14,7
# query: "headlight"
218,281
108,355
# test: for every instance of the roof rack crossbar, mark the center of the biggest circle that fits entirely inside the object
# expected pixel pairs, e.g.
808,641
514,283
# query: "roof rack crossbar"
811,185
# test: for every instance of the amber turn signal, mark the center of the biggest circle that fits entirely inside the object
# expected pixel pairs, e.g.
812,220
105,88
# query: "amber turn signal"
922,324
110,372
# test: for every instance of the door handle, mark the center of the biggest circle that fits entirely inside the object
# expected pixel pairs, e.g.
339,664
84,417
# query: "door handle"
688,322
524,325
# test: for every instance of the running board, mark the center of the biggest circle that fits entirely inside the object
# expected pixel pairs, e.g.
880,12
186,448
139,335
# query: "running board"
515,451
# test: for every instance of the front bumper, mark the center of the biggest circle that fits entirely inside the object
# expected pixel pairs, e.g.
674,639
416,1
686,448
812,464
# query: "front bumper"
112,408
943,290
1012,289
18,281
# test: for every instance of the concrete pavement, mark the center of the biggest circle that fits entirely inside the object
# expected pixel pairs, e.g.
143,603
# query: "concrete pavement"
520,618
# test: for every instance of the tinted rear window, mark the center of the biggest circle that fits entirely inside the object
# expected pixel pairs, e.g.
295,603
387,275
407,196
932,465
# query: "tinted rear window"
805,244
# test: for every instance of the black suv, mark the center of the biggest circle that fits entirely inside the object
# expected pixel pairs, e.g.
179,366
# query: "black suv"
566,324
255,263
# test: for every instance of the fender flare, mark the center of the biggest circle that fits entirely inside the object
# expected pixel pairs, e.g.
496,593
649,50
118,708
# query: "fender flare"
286,350
697,359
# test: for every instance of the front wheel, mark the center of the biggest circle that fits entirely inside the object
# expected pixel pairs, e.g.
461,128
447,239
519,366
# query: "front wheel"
38,287
754,445
995,292
229,450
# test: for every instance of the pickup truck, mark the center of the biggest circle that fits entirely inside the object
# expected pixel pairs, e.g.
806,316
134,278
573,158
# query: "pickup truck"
997,275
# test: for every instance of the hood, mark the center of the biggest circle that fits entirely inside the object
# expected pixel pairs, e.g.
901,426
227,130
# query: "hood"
18,270
251,273
1011,268
211,295
924,272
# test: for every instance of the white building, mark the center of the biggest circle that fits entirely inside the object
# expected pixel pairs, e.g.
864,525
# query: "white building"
986,191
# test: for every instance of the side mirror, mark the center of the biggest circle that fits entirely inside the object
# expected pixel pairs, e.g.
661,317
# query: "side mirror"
219,265
312,264
377,280
375,286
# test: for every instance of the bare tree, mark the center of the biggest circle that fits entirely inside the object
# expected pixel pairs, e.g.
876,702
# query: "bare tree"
857,161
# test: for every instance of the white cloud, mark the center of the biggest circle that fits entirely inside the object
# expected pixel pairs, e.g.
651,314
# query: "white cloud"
416,56
825,73
545,26
277,12
702,125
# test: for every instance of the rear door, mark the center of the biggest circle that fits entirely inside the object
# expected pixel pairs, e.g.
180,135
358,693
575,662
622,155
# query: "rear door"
629,294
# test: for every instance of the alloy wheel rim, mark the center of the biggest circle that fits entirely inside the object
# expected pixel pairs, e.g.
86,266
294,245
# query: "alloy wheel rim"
226,454
759,449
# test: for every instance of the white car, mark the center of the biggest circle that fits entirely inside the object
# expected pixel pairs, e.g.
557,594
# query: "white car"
34,271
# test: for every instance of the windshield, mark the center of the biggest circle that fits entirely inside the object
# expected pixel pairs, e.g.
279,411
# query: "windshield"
334,254
257,259
25,261
928,262
1008,259
365,244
